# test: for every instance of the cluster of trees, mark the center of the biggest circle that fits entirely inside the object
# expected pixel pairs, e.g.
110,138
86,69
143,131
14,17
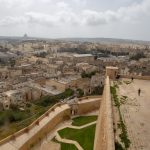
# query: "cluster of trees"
137,56
11,116
88,75
106,52
80,93
12,62
98,90
43,54
3,49
51,100
77,50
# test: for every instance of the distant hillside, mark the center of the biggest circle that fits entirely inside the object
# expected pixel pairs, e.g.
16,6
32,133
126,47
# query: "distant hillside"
96,40
106,40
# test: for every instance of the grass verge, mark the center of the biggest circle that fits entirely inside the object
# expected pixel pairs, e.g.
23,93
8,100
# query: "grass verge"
124,134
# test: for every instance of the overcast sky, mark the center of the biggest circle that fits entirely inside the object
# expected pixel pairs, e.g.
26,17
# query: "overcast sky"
76,18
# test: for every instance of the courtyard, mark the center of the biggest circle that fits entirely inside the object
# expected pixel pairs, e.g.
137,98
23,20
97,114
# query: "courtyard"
135,111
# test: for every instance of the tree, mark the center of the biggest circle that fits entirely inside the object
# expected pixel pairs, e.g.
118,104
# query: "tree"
12,62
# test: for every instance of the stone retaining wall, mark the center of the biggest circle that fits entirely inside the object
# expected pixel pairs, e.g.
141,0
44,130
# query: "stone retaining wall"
88,106
135,77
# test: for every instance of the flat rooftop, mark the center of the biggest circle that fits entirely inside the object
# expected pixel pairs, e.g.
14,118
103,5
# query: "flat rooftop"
110,67
82,55
11,92
136,112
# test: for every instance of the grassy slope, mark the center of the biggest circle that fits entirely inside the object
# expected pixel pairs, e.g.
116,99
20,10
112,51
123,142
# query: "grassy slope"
23,119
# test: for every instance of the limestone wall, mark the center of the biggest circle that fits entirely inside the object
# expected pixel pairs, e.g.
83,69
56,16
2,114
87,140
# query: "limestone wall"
135,77
104,136
60,86
88,106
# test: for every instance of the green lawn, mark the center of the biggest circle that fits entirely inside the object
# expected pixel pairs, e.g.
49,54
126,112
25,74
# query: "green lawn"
82,120
65,146
85,136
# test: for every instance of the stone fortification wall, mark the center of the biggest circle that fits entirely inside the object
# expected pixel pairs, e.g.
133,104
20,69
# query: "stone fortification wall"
135,77
88,105
60,86
104,136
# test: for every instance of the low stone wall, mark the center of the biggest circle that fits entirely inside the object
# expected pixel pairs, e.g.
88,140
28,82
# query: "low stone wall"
89,97
135,77
88,106
104,135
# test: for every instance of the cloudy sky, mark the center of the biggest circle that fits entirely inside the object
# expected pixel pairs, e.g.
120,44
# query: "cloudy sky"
76,18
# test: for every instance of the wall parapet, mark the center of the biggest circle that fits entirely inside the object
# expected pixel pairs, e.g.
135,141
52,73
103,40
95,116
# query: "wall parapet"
104,135
135,77
89,97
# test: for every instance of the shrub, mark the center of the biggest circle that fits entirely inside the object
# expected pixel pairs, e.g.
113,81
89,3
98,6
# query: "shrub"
2,119
88,75
137,56
80,93
118,146
49,100
98,90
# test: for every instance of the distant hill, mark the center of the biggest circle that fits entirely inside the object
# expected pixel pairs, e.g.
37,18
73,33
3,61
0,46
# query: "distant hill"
106,40
96,40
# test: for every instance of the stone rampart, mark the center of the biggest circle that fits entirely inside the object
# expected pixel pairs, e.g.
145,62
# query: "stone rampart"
104,136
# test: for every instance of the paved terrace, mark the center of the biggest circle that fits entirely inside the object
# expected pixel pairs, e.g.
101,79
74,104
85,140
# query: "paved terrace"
136,113
22,138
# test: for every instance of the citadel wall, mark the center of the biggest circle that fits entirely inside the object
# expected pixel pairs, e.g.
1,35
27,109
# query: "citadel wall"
104,135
